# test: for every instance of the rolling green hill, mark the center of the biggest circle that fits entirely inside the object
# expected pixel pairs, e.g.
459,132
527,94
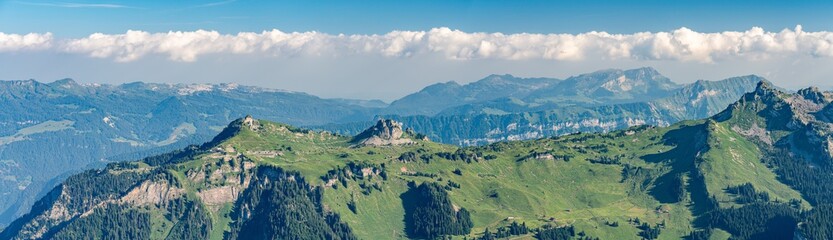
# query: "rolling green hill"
754,171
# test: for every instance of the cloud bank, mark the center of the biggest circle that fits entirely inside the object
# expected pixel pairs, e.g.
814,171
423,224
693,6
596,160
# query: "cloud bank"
31,41
679,45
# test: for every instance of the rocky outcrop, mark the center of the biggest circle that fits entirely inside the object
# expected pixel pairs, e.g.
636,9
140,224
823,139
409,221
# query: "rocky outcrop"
813,94
805,115
219,195
754,132
251,123
386,132
152,193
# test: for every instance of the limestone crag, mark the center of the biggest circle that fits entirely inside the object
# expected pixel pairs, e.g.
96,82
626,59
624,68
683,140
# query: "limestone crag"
386,132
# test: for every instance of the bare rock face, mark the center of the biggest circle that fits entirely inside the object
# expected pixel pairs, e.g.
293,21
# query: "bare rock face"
219,195
755,131
251,123
152,193
813,94
386,132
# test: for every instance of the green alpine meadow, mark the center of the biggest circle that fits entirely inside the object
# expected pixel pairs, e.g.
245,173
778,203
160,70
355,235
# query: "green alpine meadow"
416,119
757,170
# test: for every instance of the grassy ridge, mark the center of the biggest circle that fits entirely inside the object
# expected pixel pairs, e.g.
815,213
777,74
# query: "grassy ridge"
524,181
611,185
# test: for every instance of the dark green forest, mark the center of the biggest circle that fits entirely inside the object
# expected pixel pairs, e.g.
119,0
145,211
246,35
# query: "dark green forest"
429,212
282,205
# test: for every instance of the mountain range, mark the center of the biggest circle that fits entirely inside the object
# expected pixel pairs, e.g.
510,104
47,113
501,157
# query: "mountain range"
52,130
536,116
497,94
758,169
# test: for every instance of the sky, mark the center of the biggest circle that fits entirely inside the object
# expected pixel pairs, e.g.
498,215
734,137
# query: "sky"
387,49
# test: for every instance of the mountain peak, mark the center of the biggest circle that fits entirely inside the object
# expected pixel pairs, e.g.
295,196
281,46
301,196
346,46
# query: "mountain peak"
645,73
385,132
764,88
250,122
491,76
645,70
233,129
601,72
650,74
65,83
814,94
766,92
442,86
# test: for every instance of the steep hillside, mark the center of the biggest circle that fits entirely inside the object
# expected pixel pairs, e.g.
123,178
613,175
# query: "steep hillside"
702,179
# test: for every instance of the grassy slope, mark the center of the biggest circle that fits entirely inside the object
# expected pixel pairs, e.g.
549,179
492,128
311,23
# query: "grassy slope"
535,191
734,160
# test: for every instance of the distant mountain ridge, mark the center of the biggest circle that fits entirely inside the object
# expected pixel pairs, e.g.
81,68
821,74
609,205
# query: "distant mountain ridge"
465,125
437,97
49,130
507,94
613,84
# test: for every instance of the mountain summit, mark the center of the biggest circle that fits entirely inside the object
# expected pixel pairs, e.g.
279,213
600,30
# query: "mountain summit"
385,132
612,85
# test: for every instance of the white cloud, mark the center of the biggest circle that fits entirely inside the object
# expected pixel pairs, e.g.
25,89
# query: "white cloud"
679,45
31,41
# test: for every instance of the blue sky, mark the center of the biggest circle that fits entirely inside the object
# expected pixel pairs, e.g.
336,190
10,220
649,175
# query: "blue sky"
78,18
386,49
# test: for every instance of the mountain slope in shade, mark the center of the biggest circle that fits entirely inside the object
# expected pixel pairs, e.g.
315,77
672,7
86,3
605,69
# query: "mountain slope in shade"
758,169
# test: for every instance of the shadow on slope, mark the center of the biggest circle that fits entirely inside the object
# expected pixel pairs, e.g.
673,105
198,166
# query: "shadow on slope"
689,141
